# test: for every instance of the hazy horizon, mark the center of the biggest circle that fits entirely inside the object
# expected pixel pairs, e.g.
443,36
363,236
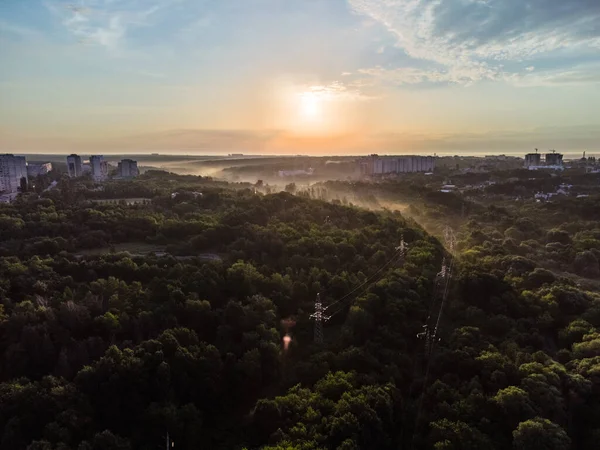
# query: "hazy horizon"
300,76
168,154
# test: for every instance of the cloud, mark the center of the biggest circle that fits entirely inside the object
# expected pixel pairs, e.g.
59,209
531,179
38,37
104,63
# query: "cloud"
412,75
173,141
505,141
580,74
202,141
209,140
107,23
464,41
335,91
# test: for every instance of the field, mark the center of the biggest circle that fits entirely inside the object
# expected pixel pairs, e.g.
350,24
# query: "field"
134,248
143,249
129,201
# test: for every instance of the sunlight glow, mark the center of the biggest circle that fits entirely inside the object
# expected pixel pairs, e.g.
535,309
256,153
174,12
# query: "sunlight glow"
310,105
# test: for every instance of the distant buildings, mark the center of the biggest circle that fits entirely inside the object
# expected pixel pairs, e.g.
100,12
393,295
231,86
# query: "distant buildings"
33,170
13,173
74,166
376,165
99,167
128,168
553,161
533,159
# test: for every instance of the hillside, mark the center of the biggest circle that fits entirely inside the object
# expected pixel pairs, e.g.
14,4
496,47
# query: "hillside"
113,350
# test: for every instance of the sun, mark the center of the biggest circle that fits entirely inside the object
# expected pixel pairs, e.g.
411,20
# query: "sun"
310,105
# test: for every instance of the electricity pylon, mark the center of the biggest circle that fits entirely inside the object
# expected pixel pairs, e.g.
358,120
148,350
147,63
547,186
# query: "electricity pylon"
319,317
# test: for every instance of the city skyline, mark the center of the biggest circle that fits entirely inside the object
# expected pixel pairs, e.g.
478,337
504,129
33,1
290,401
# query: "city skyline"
267,76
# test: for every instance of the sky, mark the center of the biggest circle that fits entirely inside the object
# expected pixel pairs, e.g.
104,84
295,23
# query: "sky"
300,76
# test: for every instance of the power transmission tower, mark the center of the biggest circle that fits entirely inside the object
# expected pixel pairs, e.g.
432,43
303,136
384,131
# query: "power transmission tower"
319,318
428,338
449,238
402,247
442,273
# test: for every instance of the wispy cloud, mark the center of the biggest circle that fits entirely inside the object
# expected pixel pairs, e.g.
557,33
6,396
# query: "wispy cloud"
413,75
567,137
335,91
107,23
580,74
465,41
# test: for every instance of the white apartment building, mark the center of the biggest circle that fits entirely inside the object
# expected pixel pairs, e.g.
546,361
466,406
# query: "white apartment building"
74,166
128,168
376,165
12,170
99,167
33,170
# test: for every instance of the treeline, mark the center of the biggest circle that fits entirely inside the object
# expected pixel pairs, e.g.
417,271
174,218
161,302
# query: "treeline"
117,350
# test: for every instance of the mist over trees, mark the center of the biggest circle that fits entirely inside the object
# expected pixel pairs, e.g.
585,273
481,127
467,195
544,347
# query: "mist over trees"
123,321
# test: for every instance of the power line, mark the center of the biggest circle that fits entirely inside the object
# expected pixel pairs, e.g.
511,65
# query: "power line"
376,277
319,318
431,339
400,251
319,314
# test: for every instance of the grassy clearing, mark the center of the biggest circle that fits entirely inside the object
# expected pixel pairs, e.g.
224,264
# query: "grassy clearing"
129,201
135,248
143,249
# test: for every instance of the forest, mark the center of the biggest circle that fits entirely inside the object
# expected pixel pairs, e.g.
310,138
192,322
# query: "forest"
107,347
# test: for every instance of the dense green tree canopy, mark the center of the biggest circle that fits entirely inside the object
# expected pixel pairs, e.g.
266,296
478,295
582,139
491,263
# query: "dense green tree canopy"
159,305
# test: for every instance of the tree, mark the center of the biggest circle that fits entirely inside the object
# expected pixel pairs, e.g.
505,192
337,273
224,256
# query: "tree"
515,404
586,264
540,434
446,434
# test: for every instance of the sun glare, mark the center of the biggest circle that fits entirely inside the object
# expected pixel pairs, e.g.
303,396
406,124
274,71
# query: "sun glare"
310,105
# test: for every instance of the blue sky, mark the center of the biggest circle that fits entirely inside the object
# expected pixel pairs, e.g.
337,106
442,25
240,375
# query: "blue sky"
300,75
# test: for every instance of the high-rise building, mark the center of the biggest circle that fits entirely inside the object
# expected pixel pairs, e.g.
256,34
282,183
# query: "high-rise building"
533,159
74,166
128,168
554,159
376,165
33,170
99,167
13,169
